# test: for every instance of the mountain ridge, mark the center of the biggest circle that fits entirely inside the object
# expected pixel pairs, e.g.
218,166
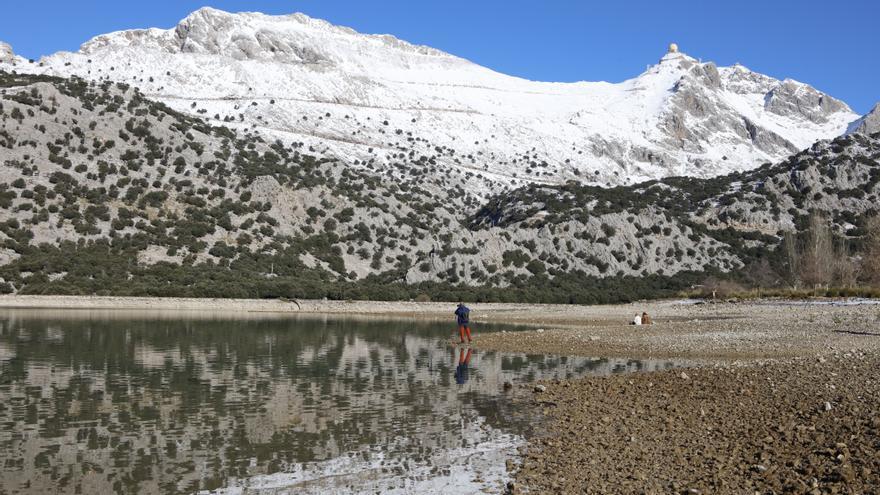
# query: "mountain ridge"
191,31
363,98
104,191
163,168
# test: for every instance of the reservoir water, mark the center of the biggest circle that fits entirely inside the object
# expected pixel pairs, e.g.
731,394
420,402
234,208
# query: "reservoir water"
174,402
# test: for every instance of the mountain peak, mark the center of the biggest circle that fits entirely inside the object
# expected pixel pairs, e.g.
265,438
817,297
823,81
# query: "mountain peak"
294,38
376,99
675,61
674,53
212,15
6,53
208,11
671,56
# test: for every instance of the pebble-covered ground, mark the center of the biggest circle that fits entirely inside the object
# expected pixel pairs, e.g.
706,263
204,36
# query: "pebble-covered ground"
805,426
787,400
727,331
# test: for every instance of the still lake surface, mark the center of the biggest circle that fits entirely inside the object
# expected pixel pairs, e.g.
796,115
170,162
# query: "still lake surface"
176,402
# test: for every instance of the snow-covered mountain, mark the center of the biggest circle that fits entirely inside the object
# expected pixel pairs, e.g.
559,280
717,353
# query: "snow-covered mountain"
103,190
384,104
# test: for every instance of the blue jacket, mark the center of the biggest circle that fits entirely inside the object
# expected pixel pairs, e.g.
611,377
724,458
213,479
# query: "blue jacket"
463,313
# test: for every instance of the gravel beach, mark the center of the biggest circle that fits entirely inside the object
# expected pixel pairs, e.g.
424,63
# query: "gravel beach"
786,400
803,426
713,331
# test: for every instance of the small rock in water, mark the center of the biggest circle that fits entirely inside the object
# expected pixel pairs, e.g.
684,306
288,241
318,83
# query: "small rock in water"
540,388
594,338
508,385
684,376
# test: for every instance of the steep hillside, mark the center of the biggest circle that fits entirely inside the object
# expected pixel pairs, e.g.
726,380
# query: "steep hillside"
105,191
372,98
97,170
730,222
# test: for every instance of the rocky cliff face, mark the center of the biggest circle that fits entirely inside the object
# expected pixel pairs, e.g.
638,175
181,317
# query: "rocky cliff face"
868,124
7,56
379,100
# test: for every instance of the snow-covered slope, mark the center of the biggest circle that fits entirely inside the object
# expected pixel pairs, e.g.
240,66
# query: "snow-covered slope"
384,104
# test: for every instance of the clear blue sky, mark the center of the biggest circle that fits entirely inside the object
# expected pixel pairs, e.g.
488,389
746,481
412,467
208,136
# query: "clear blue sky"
833,45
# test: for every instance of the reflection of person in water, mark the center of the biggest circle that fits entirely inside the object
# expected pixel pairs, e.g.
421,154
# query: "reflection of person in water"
461,371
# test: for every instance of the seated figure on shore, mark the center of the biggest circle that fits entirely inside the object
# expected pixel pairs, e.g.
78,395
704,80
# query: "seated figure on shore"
637,320
646,319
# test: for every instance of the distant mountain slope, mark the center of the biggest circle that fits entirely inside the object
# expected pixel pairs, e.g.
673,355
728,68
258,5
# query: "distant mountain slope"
103,190
725,223
379,100
868,124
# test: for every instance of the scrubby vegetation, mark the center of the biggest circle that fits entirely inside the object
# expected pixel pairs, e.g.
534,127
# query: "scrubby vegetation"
770,219
103,191
105,269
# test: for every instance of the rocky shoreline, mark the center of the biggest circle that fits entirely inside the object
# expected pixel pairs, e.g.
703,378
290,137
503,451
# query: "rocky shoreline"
753,330
482,312
786,400
802,426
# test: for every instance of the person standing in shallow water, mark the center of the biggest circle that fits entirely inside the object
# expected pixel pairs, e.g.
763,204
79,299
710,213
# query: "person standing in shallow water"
463,313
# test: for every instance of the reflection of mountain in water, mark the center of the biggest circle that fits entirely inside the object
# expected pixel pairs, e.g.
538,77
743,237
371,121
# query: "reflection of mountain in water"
160,406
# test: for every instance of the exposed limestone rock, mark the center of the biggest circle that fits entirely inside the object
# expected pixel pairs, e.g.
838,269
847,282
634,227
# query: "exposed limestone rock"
790,98
868,124
6,54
